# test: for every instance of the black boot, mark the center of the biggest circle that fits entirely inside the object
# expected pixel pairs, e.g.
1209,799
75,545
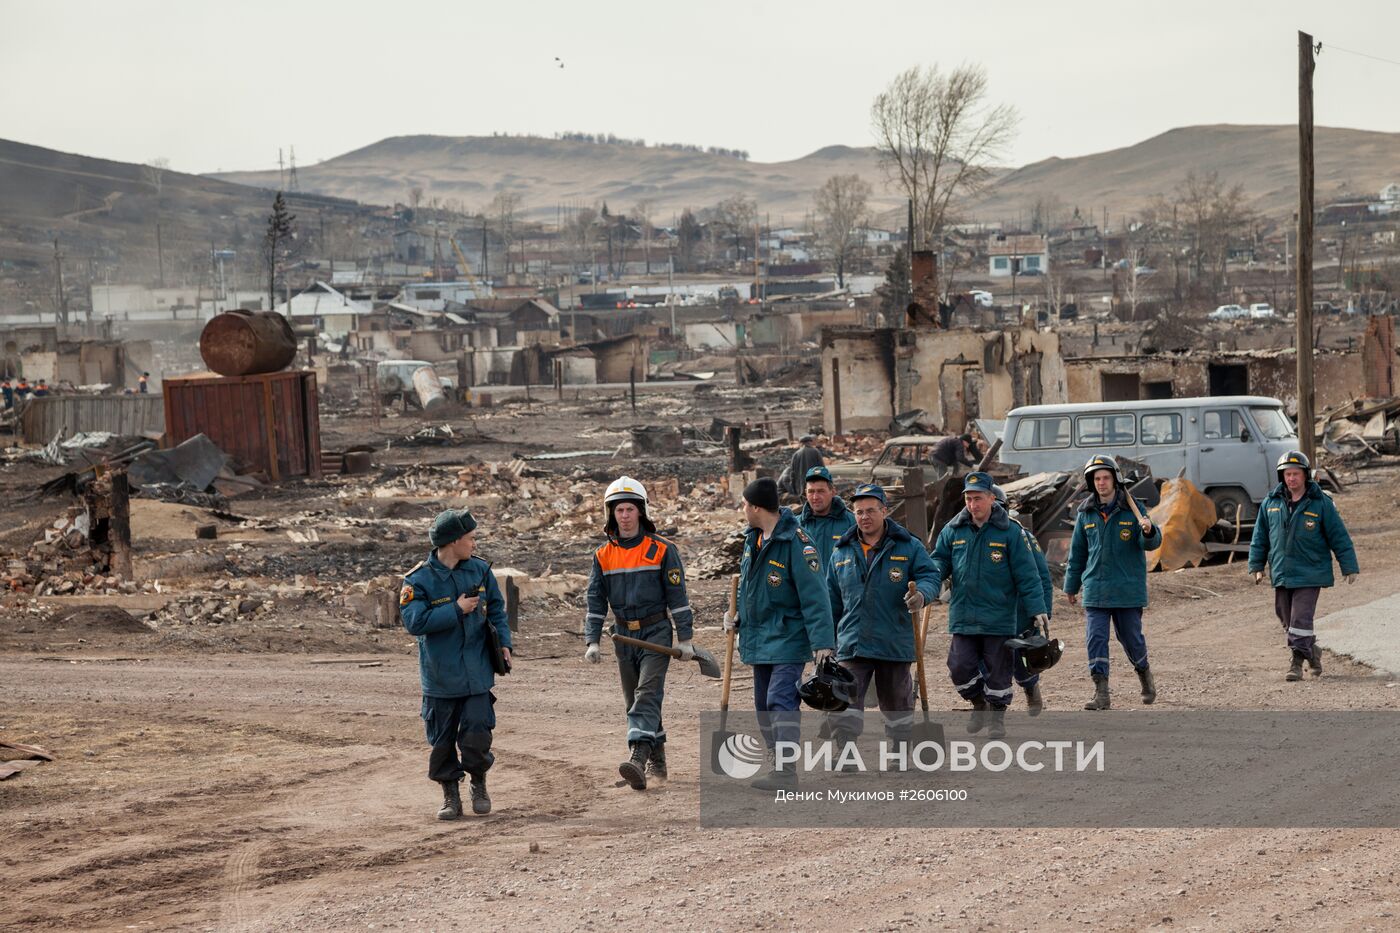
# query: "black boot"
784,778
840,738
1315,660
656,763
481,801
451,802
1295,667
996,724
1149,686
979,716
1035,703
1100,699
633,770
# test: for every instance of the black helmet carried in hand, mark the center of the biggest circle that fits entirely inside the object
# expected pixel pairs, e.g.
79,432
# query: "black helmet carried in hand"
1039,652
831,689
1295,459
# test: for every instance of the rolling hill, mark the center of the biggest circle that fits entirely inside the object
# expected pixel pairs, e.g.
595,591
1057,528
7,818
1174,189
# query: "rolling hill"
1264,159
548,173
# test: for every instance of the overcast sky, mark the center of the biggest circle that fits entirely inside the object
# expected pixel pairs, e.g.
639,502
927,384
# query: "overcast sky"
221,86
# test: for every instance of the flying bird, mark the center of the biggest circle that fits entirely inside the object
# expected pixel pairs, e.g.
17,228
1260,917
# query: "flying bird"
559,60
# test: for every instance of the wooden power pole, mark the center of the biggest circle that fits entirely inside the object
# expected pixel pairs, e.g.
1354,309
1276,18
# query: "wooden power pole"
1304,337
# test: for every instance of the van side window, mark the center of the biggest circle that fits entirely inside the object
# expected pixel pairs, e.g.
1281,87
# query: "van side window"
1034,433
1221,423
1162,428
1103,430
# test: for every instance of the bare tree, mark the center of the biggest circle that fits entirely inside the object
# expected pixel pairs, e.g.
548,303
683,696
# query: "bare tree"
642,211
938,137
735,218
581,235
415,198
840,206
1206,215
153,172
1045,210
1056,287
502,210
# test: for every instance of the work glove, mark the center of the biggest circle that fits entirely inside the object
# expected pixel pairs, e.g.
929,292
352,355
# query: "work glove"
1258,577
821,654
687,648
1042,622
1351,578
731,620
591,655
914,601
1146,525
945,595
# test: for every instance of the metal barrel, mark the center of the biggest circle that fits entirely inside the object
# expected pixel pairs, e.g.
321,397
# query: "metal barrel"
246,343
429,388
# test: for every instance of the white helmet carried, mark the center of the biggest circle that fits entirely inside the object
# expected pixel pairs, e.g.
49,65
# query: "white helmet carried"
626,489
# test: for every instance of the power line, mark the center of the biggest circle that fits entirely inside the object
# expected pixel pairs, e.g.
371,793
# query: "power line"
1375,58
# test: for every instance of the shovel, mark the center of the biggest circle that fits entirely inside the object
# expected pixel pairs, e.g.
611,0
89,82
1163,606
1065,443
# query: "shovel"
926,731
708,665
723,735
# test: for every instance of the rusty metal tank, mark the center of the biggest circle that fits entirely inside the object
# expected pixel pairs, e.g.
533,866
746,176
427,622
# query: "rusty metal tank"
246,343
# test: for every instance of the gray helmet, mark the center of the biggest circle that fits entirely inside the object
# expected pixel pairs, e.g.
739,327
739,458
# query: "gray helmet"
1295,459
1102,462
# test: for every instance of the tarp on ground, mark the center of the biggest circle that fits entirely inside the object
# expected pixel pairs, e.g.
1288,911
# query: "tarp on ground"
197,462
1183,514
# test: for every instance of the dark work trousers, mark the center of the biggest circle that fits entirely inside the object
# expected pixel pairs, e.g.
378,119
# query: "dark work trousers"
643,676
460,724
776,702
980,666
1295,609
1023,675
894,690
1127,625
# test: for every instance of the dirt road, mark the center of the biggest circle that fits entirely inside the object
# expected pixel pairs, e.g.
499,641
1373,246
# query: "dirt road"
260,791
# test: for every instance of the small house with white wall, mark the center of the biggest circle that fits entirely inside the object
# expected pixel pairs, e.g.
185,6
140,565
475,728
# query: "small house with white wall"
1017,254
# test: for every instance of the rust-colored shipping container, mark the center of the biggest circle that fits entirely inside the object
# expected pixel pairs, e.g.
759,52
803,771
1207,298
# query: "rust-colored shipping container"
267,423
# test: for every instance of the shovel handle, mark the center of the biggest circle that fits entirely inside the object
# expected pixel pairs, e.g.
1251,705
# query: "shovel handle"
729,652
920,631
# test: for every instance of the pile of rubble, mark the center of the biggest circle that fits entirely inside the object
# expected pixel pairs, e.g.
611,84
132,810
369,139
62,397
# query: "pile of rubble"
1361,431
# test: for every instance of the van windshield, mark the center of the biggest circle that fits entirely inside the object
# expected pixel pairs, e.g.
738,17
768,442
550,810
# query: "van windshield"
1273,423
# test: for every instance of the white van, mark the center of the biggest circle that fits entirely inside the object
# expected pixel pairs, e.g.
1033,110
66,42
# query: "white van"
1228,446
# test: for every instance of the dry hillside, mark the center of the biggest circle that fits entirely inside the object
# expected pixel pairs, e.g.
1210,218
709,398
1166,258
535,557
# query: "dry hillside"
1264,159
547,173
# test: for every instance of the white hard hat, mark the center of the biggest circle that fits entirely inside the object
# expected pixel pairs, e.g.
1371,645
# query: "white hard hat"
625,488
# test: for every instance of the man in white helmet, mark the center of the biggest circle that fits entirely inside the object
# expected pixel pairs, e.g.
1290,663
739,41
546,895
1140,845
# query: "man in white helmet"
640,576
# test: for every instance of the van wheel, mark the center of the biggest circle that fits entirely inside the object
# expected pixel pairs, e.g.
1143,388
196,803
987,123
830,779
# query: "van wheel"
1227,499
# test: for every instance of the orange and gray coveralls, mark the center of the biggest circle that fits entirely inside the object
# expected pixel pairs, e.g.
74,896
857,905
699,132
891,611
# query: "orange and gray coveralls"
641,579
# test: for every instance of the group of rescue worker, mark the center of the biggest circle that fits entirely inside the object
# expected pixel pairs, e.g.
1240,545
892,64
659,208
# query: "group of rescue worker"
839,583
21,389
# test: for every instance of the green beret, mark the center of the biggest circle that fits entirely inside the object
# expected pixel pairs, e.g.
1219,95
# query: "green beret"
451,525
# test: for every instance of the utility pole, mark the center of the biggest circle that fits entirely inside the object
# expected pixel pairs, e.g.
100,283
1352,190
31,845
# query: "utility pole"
62,294
160,257
1304,338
